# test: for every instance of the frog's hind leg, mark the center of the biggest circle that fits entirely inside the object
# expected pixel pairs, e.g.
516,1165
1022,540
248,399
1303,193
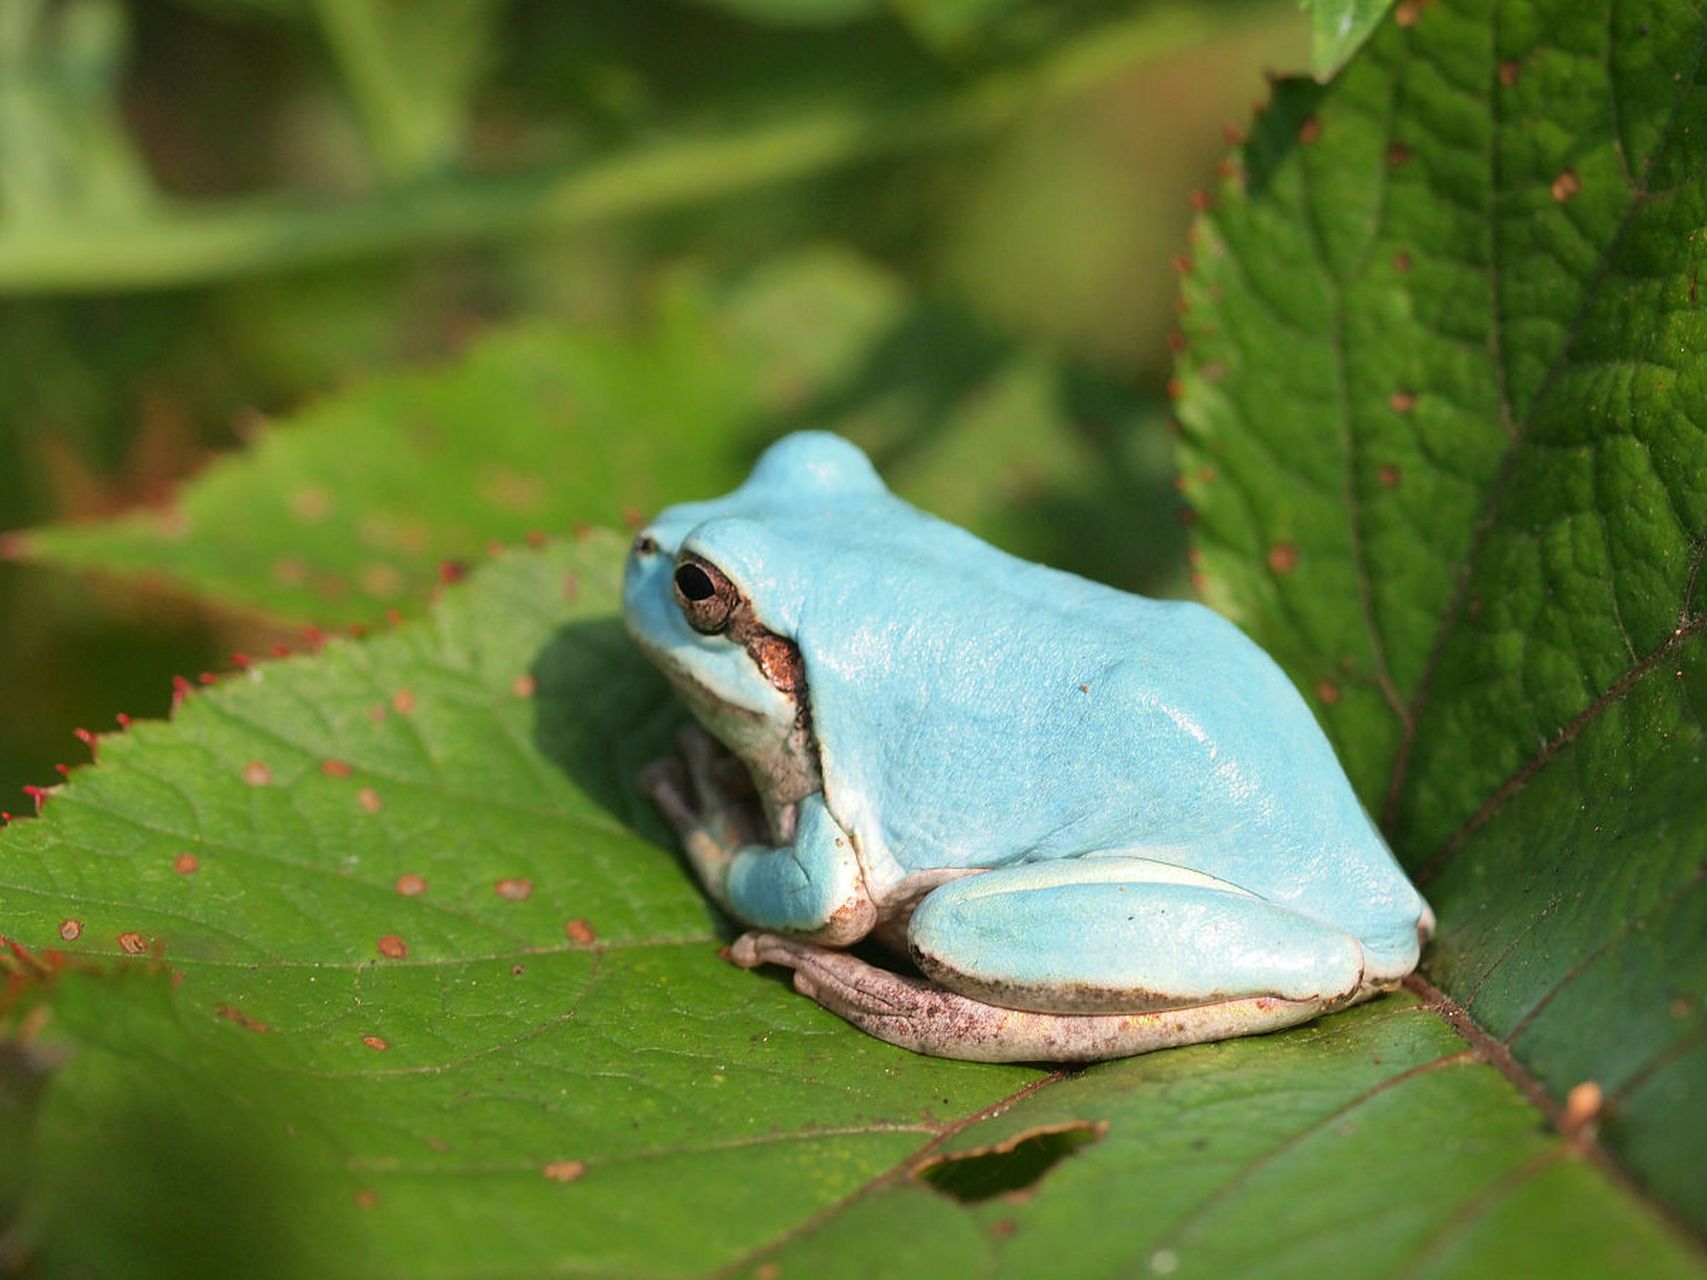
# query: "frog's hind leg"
1083,959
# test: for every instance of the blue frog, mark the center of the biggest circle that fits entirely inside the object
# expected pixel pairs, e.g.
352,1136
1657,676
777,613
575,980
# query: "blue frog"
1098,824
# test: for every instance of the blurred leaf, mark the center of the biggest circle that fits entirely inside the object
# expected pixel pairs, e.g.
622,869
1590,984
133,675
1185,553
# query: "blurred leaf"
435,1008
1443,401
1340,27
691,159
65,147
809,13
357,506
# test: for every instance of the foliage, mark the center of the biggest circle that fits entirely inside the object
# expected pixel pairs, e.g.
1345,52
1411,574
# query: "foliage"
369,959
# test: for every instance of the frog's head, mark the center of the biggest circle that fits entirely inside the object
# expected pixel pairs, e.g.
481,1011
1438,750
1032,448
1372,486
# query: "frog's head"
712,595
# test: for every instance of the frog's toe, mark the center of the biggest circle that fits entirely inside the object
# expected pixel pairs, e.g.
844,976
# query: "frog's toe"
665,783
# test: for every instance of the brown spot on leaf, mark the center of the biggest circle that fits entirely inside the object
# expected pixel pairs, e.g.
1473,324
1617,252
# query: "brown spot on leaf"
382,580
514,890
311,505
231,1013
369,799
257,774
335,768
1328,692
131,944
1398,154
1408,13
1186,516
1390,476
1582,1107
1310,130
404,701
1509,70
565,1170
1566,185
376,712
579,931
767,1271
411,885
524,686
1283,557
1402,401
452,571
70,930
1402,263
366,1198
392,947
185,864
375,1042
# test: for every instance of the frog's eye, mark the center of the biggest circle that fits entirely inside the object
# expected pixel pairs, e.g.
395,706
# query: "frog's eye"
706,597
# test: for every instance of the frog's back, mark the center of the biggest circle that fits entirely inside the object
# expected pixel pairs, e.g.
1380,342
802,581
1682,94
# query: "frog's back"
975,709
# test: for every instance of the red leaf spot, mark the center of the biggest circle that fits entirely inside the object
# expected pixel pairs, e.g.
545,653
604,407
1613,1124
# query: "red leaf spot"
1390,476
514,890
1176,341
241,661
1566,185
366,1198
185,864
281,651
411,885
770,1270
1310,130
1232,134
535,538
292,571
131,944
1508,72
1328,692
375,1042
1283,557
1186,516
1402,401
1402,263
257,774
404,701
1201,200
311,505
392,947
452,571
376,712
314,638
369,799
1399,154
1408,12
565,1170
1175,389
335,768
524,686
70,930
1182,264
580,932
231,1013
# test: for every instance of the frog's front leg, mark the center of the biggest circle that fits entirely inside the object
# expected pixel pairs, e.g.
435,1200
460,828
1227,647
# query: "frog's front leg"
1082,959
812,887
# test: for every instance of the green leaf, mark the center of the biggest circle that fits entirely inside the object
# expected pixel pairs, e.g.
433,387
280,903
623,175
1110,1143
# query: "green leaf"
354,508
420,994
1443,407
1339,28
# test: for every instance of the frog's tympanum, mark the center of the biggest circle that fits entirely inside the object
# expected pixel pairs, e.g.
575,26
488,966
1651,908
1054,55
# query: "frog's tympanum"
1097,824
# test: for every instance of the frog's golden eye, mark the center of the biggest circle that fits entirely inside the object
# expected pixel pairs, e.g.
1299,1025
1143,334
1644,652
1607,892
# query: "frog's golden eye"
706,597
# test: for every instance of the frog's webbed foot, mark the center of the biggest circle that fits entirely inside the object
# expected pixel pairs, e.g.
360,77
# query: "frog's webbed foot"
926,1018
706,796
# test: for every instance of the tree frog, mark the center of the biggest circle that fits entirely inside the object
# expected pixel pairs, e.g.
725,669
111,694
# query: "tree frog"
1097,824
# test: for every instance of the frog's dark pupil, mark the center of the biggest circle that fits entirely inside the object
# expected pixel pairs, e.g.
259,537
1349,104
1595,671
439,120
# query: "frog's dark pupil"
695,583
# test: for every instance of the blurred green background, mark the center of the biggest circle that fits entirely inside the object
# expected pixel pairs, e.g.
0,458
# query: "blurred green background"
215,211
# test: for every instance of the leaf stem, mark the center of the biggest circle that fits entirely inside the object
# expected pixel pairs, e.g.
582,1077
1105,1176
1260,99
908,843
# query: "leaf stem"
196,243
